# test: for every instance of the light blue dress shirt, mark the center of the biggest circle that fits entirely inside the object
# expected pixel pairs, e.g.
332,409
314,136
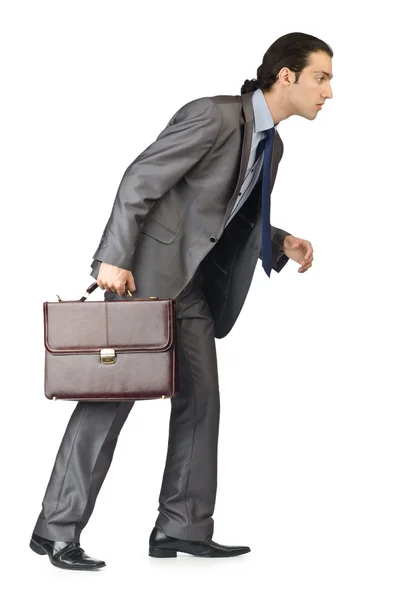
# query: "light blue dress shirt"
262,120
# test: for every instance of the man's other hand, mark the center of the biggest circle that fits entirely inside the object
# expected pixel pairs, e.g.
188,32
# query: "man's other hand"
301,251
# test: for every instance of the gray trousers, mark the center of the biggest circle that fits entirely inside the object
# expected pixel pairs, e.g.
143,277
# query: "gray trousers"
187,496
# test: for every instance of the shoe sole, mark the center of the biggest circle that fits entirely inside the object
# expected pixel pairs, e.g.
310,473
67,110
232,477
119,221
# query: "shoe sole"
164,553
160,553
39,550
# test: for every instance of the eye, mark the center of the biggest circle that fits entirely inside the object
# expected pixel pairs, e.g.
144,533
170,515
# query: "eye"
321,77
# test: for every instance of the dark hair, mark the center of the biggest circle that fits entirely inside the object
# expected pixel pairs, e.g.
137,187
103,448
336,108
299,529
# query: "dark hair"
292,50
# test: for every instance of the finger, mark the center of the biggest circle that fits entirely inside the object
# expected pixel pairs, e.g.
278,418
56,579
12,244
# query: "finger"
108,287
309,252
101,284
304,267
130,283
120,288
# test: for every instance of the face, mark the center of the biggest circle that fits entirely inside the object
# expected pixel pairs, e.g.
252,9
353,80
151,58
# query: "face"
312,89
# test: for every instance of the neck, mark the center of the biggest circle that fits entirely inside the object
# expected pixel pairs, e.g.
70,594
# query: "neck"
277,106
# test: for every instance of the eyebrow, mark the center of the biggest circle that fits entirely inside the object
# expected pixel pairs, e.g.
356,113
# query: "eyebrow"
325,73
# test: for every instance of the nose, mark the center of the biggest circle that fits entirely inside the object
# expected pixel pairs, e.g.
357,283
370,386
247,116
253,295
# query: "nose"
328,92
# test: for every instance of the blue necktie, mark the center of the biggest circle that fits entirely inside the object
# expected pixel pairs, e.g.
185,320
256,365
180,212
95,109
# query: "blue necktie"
266,145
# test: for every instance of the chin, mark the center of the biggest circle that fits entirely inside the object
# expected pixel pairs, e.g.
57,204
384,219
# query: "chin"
309,117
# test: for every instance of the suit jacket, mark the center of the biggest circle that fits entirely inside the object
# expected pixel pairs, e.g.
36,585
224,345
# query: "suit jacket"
173,202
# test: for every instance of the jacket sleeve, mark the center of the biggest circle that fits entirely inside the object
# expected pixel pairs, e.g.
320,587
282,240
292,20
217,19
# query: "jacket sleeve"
279,258
189,135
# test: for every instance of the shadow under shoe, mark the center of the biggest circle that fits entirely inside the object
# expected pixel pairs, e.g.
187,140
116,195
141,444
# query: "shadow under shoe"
163,546
66,555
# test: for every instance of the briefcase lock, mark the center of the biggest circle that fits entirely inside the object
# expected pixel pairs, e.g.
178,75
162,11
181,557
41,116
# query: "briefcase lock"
108,356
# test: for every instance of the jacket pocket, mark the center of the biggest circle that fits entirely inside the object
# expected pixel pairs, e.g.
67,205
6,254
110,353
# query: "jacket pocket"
158,231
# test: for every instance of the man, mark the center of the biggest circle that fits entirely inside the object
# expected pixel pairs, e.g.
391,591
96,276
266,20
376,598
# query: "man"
190,220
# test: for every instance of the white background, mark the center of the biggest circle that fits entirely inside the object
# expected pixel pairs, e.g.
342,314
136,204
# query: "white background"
307,449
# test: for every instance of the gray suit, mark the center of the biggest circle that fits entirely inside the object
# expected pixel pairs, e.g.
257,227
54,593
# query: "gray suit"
173,203
167,226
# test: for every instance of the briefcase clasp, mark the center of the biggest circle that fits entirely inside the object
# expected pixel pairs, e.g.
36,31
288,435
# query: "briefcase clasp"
108,356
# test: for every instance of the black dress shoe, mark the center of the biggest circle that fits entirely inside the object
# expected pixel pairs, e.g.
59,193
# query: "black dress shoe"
66,555
163,546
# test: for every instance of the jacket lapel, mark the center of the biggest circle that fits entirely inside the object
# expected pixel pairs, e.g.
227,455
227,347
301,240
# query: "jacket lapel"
247,121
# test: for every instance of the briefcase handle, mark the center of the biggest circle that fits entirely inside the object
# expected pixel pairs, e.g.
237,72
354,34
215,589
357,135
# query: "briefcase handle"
93,287
90,289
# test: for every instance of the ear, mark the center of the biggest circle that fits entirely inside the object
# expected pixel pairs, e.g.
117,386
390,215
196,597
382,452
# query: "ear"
286,76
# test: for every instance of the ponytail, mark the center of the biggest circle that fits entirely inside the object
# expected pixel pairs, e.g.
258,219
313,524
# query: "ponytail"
250,85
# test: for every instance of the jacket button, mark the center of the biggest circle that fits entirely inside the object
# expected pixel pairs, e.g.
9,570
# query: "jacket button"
212,239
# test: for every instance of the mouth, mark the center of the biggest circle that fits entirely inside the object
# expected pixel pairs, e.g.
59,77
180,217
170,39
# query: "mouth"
319,106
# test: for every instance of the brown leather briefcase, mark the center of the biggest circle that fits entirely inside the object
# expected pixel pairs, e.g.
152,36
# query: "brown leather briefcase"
110,351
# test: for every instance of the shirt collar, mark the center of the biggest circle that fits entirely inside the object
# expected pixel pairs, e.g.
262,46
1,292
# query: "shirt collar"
262,116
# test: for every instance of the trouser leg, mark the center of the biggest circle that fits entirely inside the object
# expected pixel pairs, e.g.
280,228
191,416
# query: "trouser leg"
81,465
187,497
